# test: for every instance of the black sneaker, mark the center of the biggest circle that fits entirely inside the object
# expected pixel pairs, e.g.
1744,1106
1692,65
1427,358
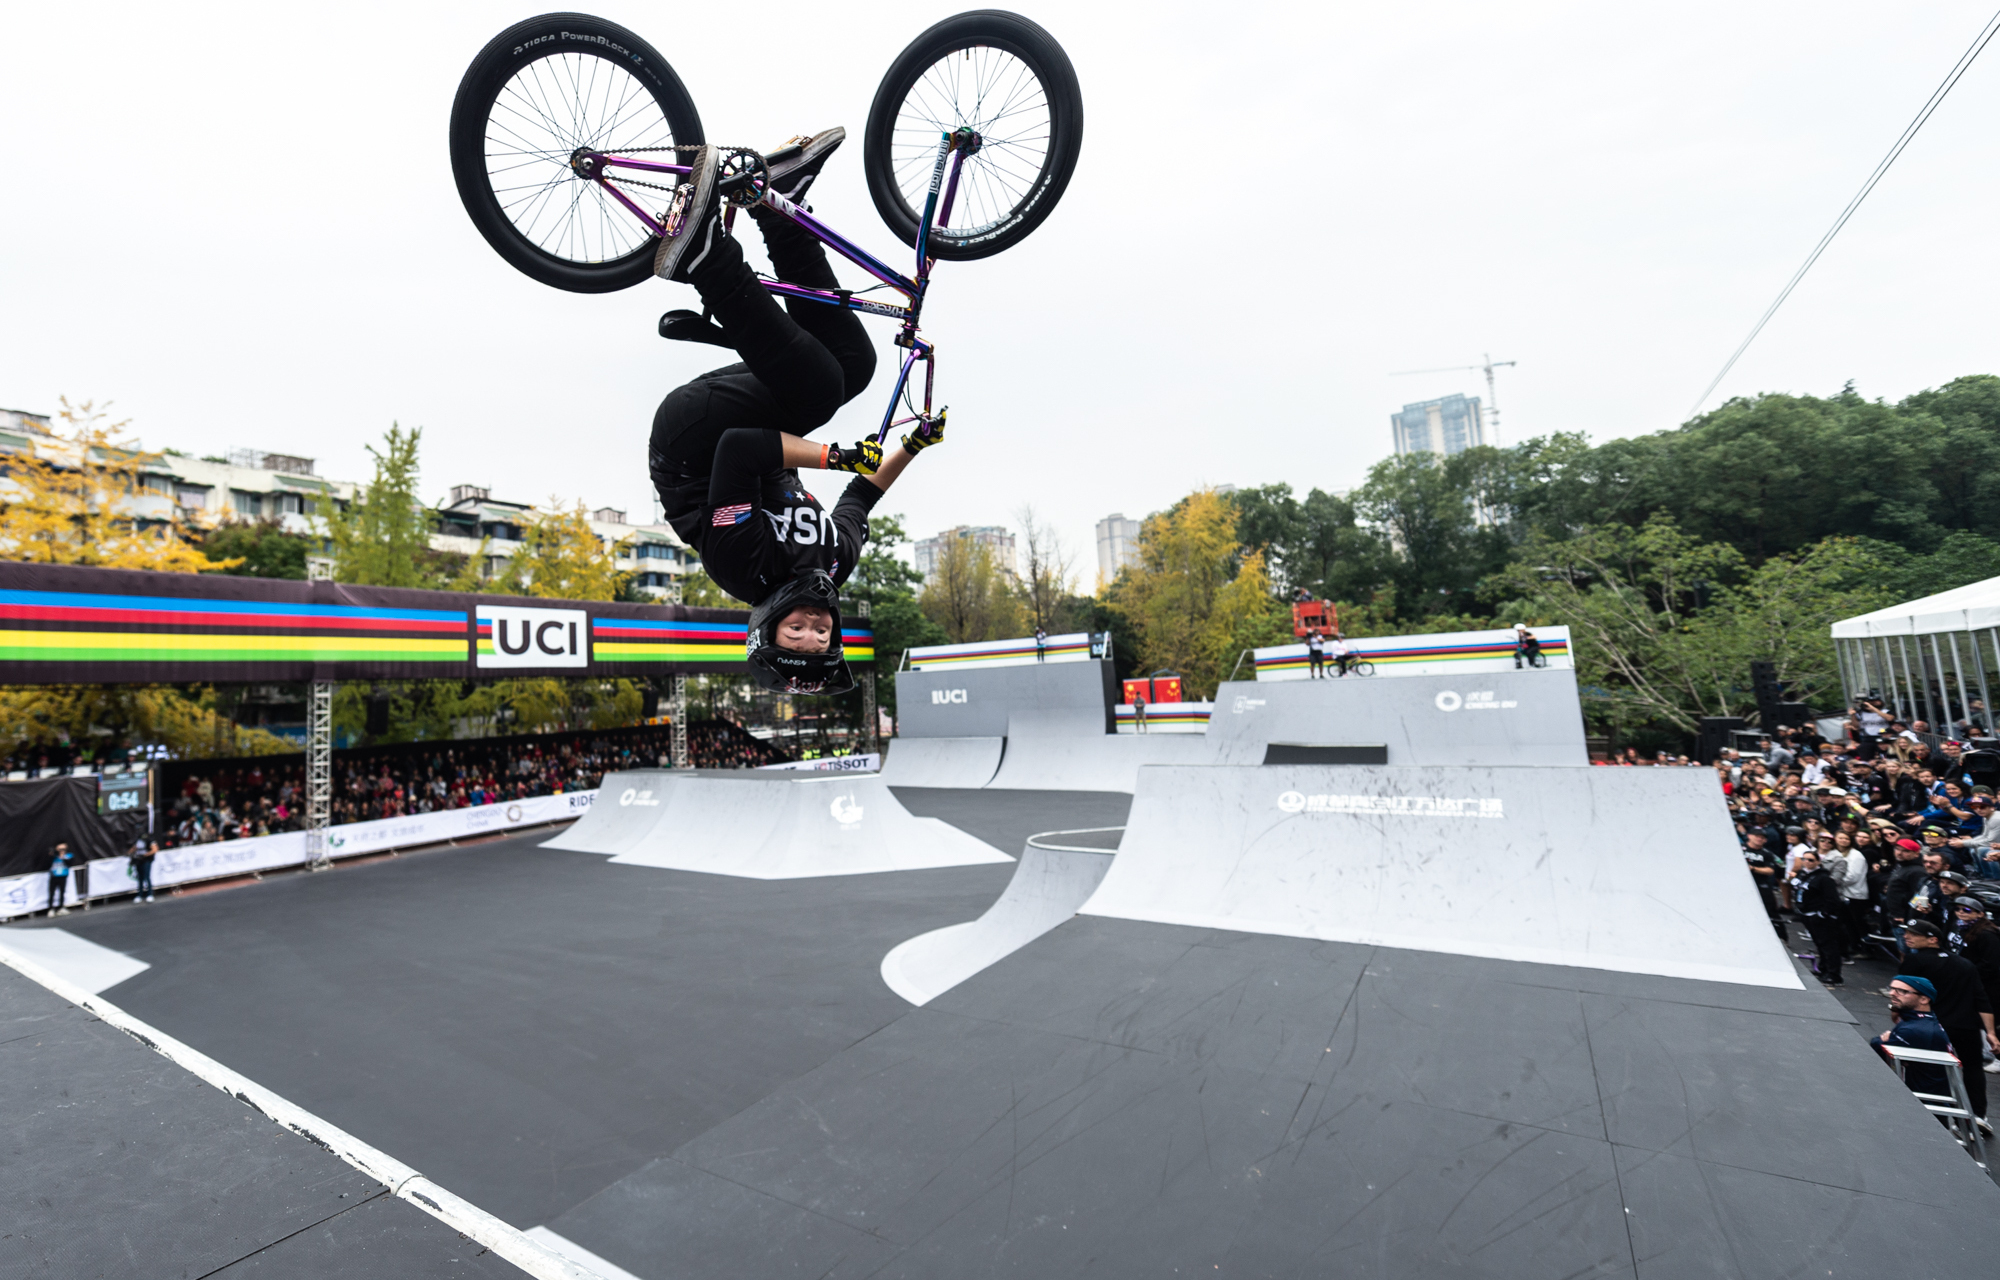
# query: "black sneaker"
794,165
694,220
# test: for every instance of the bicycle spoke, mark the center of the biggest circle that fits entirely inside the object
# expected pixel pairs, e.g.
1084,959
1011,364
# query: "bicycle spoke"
994,93
552,107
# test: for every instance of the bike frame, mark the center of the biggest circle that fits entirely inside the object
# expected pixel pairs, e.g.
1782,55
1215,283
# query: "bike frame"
952,149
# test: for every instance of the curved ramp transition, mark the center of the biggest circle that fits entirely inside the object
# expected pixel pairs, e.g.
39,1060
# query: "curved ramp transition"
765,828
1056,872
942,762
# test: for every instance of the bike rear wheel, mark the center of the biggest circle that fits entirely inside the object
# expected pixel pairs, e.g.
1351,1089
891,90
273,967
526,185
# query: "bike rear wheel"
1003,76
539,92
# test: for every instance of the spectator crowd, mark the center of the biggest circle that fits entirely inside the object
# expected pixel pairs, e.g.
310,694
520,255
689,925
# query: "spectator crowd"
237,799
1885,843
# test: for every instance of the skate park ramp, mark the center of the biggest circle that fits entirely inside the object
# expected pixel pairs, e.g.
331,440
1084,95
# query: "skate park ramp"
942,762
981,702
1056,871
765,828
1498,718
1630,870
1054,750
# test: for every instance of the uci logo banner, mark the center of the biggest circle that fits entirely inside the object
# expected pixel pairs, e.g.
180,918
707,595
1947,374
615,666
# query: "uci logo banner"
516,637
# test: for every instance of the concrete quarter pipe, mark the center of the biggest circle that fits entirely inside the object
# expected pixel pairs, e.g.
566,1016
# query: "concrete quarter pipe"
765,828
1633,870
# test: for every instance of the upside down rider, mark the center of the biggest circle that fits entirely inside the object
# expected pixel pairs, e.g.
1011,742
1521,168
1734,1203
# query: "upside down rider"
727,448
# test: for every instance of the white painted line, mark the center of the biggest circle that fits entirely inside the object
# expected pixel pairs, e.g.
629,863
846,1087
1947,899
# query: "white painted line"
75,959
461,1215
578,1254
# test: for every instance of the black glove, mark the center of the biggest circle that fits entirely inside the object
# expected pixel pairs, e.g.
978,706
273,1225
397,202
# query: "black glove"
926,435
863,459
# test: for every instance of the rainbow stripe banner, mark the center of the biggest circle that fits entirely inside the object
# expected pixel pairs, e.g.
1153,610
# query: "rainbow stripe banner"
1164,717
1079,646
1451,651
67,624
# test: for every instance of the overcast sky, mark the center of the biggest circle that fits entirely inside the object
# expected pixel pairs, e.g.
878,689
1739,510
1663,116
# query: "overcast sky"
239,224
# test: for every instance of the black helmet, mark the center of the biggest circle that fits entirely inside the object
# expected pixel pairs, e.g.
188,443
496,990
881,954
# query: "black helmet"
788,670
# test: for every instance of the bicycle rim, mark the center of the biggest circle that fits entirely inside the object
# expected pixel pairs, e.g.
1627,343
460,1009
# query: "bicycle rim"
543,114
996,94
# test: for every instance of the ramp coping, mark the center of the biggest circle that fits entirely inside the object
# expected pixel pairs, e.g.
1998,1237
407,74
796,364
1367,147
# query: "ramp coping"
1040,840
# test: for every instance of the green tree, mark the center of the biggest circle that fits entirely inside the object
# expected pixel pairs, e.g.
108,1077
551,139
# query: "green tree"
383,538
969,594
257,549
1188,555
887,582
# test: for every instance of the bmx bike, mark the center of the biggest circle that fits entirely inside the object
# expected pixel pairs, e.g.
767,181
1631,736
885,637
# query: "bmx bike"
566,128
1360,667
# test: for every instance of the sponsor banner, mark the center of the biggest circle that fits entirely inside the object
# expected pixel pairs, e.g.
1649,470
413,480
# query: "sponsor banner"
1447,653
510,636
869,763
20,895
1079,646
1166,717
1393,806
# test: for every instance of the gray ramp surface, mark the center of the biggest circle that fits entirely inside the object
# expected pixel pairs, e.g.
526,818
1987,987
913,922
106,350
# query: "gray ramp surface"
525,1027
1057,870
119,1163
1068,750
1125,1099
767,827
978,702
1635,870
942,762
1500,718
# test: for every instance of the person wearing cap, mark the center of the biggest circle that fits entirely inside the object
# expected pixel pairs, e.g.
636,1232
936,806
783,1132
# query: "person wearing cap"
1951,890
1817,899
1765,872
1917,1027
1959,1000
1980,846
1981,950
1905,878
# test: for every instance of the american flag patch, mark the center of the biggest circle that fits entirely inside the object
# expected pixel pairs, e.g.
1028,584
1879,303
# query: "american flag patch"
731,515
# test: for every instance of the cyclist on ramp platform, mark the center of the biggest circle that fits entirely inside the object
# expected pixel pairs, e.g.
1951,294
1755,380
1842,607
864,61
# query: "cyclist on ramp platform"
727,447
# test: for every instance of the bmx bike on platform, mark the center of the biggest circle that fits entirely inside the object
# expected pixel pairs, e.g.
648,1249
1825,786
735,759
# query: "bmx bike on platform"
566,129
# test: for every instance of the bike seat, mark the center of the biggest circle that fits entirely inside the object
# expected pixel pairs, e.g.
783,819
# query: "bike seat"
687,326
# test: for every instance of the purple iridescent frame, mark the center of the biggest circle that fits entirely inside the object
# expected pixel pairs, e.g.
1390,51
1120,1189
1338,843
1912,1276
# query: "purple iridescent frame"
952,147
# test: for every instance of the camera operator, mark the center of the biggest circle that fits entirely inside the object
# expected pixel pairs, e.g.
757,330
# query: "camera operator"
1960,1004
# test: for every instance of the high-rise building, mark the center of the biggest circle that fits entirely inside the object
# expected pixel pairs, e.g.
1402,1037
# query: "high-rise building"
1451,425
1117,544
998,541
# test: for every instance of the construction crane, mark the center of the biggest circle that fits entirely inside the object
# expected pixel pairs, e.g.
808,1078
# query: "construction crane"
1492,396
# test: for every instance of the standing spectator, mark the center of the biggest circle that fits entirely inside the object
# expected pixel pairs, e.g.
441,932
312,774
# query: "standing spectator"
1139,710
1041,643
1316,653
143,853
1765,870
1852,876
1982,951
1910,998
1960,1005
60,862
1951,891
1903,881
1817,898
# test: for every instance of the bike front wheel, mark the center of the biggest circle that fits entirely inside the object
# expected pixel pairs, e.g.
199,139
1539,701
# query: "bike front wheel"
540,92
1006,79
1362,669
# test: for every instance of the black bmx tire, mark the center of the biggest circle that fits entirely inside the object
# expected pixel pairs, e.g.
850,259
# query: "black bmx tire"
588,59
1017,198
1363,668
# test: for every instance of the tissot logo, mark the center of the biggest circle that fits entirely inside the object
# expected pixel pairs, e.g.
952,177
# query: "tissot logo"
1483,700
515,637
947,695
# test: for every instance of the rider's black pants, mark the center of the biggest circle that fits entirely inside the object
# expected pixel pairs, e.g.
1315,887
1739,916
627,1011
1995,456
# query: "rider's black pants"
801,361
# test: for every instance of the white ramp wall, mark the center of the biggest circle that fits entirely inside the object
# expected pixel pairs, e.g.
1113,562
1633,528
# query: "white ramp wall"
1070,751
942,762
765,827
1500,718
1632,870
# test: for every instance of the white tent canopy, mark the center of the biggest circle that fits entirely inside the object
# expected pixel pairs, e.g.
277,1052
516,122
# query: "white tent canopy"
1974,607
1928,657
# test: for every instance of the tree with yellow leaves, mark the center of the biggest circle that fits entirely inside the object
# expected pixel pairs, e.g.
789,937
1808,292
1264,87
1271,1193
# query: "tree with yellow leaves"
1198,598
561,557
75,500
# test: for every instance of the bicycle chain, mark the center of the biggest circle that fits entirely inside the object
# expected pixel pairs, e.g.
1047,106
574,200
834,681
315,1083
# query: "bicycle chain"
682,146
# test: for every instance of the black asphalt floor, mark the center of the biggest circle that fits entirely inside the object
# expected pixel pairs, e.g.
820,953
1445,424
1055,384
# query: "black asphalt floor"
117,1163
